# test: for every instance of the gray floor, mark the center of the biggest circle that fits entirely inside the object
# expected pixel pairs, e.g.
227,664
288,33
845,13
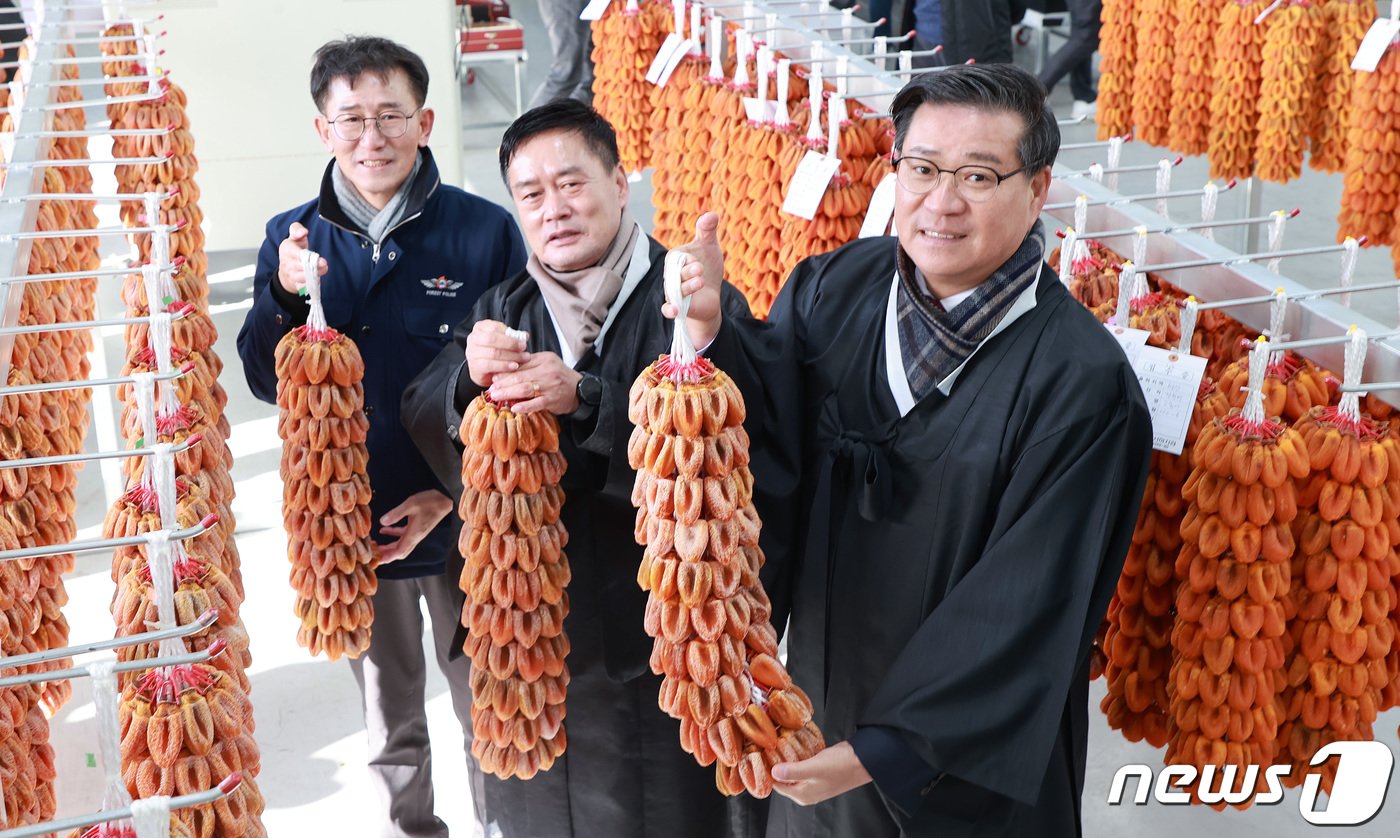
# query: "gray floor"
308,718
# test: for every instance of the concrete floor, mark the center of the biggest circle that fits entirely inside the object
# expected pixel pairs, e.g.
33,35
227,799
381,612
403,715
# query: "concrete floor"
308,719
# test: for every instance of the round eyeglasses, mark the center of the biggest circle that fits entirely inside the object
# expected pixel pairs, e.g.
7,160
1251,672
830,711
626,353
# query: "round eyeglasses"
973,182
390,124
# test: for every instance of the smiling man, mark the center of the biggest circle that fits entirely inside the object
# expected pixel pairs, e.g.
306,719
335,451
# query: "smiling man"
973,447
404,256
590,303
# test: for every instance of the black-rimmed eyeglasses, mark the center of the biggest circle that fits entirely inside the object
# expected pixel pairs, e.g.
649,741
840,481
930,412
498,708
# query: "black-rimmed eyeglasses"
390,124
973,182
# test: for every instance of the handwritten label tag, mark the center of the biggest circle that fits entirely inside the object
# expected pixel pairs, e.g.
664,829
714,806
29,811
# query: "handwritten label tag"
1170,382
1132,340
594,10
881,210
760,111
1374,45
808,184
673,49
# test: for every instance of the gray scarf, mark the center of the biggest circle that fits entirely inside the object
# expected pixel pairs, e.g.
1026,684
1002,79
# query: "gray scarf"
581,299
376,223
934,341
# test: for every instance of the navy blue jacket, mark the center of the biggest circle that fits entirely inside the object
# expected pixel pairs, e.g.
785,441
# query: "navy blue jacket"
398,302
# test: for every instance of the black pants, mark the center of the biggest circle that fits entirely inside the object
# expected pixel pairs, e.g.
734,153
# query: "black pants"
1076,57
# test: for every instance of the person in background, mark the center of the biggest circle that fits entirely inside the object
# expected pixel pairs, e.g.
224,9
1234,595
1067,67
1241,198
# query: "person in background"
590,303
968,29
571,40
1076,57
404,256
973,446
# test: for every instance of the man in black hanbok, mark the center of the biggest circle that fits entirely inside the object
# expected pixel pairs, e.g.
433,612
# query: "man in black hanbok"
590,300
974,447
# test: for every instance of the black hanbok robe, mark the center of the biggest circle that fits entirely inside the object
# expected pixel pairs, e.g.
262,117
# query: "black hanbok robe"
624,773
957,560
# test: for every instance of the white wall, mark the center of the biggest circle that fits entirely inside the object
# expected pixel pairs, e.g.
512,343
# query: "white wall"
245,65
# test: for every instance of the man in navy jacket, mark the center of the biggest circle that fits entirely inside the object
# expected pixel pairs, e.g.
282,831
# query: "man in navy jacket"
404,258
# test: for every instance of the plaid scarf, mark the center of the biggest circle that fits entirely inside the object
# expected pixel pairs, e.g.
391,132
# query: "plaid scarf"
933,341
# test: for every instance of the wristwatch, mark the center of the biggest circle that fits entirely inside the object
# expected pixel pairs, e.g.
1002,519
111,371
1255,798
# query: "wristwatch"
589,390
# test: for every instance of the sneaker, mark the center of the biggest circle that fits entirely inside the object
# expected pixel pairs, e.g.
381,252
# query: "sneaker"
1084,110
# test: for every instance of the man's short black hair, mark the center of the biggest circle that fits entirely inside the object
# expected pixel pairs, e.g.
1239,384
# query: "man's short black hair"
561,115
990,87
359,54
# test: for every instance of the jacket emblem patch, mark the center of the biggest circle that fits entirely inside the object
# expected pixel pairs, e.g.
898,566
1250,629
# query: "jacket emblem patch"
441,287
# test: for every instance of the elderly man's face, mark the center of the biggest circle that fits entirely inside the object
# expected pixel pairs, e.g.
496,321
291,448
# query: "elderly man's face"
377,165
570,203
957,243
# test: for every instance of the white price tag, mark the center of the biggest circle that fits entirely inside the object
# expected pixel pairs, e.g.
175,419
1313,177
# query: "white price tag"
594,10
673,49
1374,45
1132,340
881,210
765,111
1170,382
808,184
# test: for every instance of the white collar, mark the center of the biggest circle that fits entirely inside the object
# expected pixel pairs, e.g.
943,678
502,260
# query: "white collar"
636,270
894,359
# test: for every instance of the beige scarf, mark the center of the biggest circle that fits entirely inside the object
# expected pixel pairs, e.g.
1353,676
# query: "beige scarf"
580,299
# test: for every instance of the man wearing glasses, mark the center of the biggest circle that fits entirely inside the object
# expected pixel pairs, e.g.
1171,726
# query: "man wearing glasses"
973,447
404,258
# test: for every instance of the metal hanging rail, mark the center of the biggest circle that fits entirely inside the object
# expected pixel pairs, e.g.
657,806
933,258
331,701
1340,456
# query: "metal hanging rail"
97,231
76,325
228,786
1315,294
1127,138
199,624
202,656
1312,343
1170,229
1119,170
108,132
175,265
48,386
1241,258
1128,199
75,162
103,82
107,543
31,462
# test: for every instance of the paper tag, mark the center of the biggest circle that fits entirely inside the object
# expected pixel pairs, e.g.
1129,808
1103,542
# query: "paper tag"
1374,45
1132,340
672,50
881,210
764,111
808,184
594,10
1170,383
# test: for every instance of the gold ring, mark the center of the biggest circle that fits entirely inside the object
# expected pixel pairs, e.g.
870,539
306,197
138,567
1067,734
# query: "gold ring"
536,386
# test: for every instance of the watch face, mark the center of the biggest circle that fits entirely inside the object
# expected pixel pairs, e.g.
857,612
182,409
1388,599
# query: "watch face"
590,389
